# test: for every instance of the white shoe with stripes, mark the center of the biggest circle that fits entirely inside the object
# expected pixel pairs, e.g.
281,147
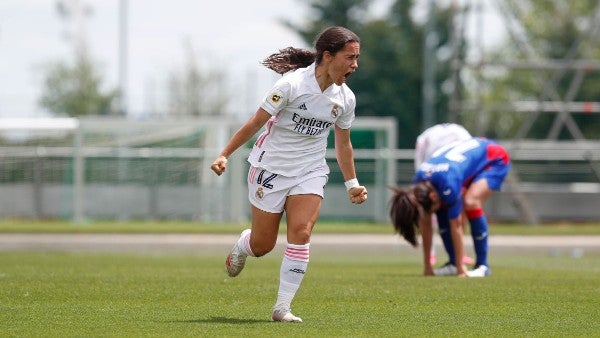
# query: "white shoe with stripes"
236,260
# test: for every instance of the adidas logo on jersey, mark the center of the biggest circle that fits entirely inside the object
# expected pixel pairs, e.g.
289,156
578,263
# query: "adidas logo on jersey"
302,106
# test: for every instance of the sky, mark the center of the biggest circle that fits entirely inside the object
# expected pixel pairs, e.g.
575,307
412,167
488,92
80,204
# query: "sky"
230,36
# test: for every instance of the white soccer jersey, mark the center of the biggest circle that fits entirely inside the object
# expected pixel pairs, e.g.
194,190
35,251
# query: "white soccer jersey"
437,137
295,139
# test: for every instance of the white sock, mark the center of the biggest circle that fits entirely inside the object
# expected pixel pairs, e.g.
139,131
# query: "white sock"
244,244
293,267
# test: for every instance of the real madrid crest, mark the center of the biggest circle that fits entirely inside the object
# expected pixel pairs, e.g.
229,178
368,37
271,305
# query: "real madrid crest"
334,111
260,193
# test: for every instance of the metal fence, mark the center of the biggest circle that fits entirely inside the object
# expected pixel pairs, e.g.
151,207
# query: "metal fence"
121,169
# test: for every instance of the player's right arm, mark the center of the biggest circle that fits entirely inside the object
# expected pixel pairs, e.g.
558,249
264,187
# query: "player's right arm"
249,129
426,229
456,231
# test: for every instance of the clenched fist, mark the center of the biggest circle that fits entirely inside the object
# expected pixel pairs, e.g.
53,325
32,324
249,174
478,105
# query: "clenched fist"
358,194
219,165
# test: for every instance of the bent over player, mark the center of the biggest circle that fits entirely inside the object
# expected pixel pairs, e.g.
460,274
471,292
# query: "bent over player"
462,176
432,139
288,171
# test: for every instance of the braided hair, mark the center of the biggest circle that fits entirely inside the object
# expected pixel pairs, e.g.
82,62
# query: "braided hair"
407,206
332,39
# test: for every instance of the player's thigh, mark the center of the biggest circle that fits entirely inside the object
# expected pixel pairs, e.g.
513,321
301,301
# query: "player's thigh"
302,212
265,226
477,194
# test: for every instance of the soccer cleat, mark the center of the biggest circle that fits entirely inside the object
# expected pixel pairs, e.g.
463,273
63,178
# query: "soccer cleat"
285,316
447,269
479,271
236,259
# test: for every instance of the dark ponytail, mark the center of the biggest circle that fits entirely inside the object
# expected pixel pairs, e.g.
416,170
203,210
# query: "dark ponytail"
407,206
404,215
332,40
289,59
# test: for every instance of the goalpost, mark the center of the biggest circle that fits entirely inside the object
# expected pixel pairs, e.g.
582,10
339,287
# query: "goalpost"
116,168
45,128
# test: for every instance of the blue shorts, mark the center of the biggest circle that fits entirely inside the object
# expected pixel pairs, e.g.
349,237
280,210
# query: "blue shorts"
497,169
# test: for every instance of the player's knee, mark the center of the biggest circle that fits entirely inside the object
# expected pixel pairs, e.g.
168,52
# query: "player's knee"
261,249
470,203
300,234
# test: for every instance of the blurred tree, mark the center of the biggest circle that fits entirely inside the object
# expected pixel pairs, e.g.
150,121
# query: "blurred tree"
389,80
75,90
562,31
194,91
346,13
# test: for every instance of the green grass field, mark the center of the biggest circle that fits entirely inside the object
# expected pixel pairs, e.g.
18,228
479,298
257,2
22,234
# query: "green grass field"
359,294
84,295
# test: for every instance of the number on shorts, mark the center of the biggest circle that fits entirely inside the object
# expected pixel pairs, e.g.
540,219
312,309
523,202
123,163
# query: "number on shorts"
265,183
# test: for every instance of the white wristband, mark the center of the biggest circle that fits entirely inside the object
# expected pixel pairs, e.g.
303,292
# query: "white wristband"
351,183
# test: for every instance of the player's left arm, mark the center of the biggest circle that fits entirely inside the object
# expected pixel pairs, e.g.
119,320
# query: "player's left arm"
345,158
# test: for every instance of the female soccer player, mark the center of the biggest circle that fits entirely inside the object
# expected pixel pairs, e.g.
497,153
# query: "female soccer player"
428,142
466,173
288,171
